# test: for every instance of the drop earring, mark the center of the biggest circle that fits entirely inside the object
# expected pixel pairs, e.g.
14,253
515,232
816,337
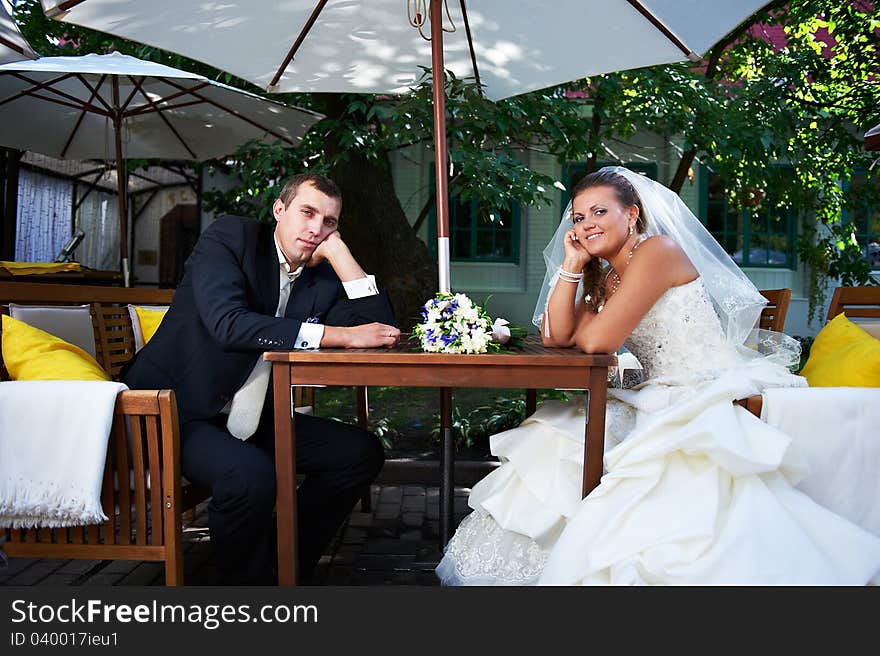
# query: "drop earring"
631,231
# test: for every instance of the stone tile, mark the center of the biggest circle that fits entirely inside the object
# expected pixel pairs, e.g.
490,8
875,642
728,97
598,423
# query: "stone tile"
144,574
103,579
360,520
372,578
338,576
391,494
413,535
382,562
205,575
354,536
413,519
14,566
36,572
59,579
387,511
389,547
412,503
346,554
120,566
79,567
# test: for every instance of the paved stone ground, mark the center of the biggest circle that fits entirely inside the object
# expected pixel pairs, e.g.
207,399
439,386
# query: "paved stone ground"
395,544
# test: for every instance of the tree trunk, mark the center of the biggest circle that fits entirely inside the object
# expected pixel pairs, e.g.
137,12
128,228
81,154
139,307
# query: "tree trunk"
681,172
375,227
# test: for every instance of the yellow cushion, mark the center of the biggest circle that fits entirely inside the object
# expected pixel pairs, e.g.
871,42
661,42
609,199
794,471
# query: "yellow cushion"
32,354
843,355
149,321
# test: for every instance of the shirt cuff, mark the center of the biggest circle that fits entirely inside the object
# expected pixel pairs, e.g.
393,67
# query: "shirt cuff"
310,336
361,287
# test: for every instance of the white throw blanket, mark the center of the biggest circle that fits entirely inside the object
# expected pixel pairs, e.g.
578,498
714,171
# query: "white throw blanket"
53,447
837,431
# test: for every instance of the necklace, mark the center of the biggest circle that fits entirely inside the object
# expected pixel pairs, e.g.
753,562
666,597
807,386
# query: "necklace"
614,282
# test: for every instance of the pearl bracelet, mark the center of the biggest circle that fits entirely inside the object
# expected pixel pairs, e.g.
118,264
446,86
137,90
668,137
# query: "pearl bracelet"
569,276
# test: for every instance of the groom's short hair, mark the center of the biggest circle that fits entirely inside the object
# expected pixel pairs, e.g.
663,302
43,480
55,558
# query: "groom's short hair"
321,182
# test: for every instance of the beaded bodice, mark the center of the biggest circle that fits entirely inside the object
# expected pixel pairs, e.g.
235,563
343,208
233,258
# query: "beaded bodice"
681,335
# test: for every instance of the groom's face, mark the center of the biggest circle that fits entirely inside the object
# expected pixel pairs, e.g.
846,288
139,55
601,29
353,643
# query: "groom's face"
307,220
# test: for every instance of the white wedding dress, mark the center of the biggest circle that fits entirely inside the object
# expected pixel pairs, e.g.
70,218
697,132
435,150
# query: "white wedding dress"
696,490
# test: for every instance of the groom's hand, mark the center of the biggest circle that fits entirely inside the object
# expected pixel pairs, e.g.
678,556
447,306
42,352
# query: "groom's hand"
332,247
370,335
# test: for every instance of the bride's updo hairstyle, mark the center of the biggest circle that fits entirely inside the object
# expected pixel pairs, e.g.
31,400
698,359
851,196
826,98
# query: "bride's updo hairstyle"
594,271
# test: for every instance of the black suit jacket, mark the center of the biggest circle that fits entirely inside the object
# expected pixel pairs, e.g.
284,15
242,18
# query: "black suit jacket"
223,317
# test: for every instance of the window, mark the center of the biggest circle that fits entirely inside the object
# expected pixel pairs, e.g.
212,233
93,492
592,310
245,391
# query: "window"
476,238
757,236
862,192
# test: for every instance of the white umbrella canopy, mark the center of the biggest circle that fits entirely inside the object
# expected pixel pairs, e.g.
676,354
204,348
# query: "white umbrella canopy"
13,46
368,46
372,46
115,107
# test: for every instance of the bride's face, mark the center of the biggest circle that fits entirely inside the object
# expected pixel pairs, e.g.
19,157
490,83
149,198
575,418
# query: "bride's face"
601,221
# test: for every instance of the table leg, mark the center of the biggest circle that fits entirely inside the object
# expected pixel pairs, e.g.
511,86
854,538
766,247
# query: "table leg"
285,476
447,467
594,442
363,413
531,402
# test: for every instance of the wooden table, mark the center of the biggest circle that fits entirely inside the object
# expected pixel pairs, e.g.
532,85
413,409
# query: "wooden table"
532,367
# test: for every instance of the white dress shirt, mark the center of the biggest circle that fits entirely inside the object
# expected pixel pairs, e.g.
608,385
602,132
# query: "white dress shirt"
310,334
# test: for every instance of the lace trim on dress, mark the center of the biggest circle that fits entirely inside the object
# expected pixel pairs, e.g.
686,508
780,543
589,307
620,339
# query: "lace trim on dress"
483,552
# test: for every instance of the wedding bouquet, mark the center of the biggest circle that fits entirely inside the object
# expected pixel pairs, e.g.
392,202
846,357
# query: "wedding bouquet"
453,323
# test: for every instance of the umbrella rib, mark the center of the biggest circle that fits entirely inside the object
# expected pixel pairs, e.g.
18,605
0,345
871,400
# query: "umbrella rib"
656,22
12,45
237,114
95,90
37,86
296,44
61,8
151,104
168,122
467,30
149,109
63,103
79,121
136,85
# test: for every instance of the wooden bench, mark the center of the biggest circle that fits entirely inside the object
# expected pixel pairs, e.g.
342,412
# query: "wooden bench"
144,447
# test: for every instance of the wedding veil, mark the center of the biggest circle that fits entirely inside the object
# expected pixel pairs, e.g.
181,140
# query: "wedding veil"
736,299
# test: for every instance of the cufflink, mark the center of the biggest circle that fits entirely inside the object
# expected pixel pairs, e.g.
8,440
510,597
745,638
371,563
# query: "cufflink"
305,343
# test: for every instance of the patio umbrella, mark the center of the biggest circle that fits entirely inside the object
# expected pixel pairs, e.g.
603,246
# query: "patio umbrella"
13,46
118,107
380,46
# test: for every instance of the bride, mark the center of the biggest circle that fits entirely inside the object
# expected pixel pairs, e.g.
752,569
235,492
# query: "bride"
696,490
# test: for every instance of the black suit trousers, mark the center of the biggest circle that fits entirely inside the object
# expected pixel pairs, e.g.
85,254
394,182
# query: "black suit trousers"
338,460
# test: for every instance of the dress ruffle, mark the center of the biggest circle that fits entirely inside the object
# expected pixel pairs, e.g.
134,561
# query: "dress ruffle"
699,492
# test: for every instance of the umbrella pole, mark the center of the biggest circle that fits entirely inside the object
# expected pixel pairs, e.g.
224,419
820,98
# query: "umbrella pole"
121,186
440,164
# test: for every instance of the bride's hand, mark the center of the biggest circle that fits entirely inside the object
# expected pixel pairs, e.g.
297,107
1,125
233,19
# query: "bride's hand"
576,253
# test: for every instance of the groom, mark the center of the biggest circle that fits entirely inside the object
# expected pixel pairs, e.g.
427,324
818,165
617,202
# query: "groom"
250,287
